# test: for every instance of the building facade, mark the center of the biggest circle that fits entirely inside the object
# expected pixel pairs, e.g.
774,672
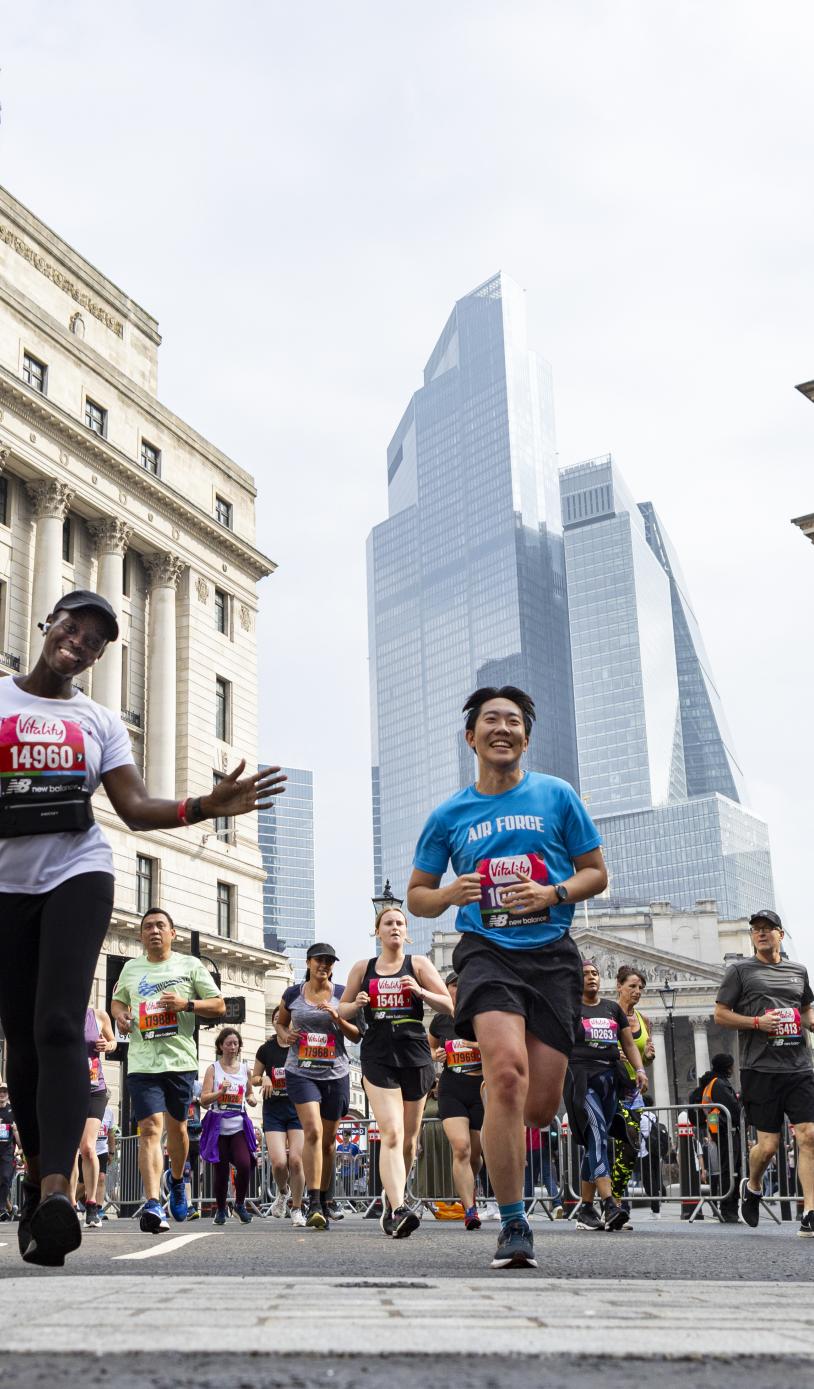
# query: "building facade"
103,487
466,577
286,834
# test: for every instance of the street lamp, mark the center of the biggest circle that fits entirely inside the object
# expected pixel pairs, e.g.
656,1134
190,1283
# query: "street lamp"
668,994
386,899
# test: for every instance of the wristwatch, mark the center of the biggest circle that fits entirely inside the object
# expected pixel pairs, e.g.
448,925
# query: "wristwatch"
190,1008
562,892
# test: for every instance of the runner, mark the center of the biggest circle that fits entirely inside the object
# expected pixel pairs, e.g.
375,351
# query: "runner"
157,998
524,850
630,985
56,867
282,1128
724,1119
591,1094
769,998
317,1071
227,1135
8,1143
99,1039
397,1070
460,1105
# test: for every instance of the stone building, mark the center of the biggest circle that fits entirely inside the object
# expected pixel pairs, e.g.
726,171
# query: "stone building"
103,487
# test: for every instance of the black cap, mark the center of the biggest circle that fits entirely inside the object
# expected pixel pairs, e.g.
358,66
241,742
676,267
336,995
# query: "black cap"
765,915
451,978
321,947
83,598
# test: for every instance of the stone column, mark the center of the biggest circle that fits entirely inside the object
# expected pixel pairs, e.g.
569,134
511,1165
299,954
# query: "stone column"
700,1042
112,537
659,1082
50,500
163,571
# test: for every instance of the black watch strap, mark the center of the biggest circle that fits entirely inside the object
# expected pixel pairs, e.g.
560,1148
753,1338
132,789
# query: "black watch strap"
562,892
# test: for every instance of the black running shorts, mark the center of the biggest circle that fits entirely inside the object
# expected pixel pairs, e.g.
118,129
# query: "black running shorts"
459,1098
544,986
414,1082
768,1095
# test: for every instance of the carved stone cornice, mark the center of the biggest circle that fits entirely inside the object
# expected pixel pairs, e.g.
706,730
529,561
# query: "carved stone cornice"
49,498
163,569
5,455
699,1024
111,535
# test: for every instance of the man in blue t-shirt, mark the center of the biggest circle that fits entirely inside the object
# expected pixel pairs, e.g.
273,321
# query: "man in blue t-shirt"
524,850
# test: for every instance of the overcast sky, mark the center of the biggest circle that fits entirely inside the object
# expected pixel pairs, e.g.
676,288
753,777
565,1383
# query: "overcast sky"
299,193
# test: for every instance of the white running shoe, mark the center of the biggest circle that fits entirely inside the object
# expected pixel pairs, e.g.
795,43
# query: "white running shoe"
490,1211
279,1204
298,1218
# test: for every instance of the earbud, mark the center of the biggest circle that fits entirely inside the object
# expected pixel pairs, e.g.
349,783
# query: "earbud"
44,627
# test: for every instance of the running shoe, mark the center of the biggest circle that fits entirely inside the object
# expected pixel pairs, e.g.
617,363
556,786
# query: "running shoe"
179,1210
220,1218
298,1217
4,1216
490,1211
558,1213
93,1220
386,1219
614,1216
404,1222
55,1232
587,1217
333,1211
749,1208
315,1220
243,1215
472,1219
278,1205
807,1225
29,1203
515,1246
153,1220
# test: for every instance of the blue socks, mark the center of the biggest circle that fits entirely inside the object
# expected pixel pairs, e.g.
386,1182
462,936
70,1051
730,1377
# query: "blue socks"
515,1210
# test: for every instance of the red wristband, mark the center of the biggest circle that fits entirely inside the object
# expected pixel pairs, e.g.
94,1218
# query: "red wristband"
182,811
756,1022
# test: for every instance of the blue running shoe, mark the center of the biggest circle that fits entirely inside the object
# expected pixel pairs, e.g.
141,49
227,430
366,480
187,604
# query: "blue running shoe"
242,1214
153,1220
179,1210
220,1218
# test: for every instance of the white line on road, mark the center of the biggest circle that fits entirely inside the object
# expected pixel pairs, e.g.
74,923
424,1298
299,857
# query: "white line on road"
166,1247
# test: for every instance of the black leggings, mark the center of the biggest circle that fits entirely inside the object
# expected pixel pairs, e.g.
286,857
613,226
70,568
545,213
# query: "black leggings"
234,1152
49,946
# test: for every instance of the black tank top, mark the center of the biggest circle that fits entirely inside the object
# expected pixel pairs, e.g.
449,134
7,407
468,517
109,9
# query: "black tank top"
395,1033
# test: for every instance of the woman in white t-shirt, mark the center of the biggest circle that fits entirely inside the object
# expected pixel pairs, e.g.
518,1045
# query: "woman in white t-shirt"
56,874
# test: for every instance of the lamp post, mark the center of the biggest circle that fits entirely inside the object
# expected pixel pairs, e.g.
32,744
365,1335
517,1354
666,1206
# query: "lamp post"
668,995
386,899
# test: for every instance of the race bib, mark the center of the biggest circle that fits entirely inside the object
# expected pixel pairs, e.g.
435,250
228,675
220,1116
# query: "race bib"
5,1133
154,1020
316,1049
788,1031
278,1083
600,1032
231,1100
93,1068
103,1132
42,774
496,875
388,998
462,1057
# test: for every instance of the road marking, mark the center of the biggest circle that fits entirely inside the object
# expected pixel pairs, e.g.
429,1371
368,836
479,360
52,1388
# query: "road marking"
499,1315
166,1247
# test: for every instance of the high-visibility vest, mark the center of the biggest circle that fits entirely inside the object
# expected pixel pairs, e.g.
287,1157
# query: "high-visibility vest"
713,1115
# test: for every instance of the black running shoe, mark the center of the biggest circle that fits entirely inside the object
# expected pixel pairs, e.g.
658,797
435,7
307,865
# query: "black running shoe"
404,1222
587,1217
749,1208
515,1246
30,1201
333,1211
613,1216
386,1219
807,1225
316,1220
55,1232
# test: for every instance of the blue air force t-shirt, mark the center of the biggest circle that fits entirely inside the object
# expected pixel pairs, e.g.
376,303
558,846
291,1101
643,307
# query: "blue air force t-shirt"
537,829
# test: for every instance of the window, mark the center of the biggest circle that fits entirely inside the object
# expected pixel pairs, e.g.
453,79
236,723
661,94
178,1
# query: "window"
67,540
223,701
145,883
35,373
222,823
226,895
3,501
125,693
96,417
223,512
150,458
126,574
222,611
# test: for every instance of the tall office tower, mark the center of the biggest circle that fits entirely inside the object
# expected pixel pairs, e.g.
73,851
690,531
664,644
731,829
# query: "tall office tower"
286,834
655,760
709,758
626,689
466,577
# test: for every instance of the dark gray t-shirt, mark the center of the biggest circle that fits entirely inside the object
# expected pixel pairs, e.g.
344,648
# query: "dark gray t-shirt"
753,988
319,1051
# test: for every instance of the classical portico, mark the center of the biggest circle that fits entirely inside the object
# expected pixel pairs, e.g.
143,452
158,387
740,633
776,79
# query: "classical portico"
111,536
50,500
164,571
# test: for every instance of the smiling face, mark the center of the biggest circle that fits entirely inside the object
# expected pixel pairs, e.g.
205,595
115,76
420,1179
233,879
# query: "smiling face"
499,736
73,642
319,967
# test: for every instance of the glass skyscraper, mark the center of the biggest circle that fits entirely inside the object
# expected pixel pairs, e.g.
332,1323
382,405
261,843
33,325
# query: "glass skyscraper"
286,835
466,577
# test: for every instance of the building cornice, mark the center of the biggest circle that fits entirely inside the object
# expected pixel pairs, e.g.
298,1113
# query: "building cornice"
66,432
806,525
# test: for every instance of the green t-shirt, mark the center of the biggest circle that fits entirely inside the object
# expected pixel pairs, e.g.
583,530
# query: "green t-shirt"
162,1041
